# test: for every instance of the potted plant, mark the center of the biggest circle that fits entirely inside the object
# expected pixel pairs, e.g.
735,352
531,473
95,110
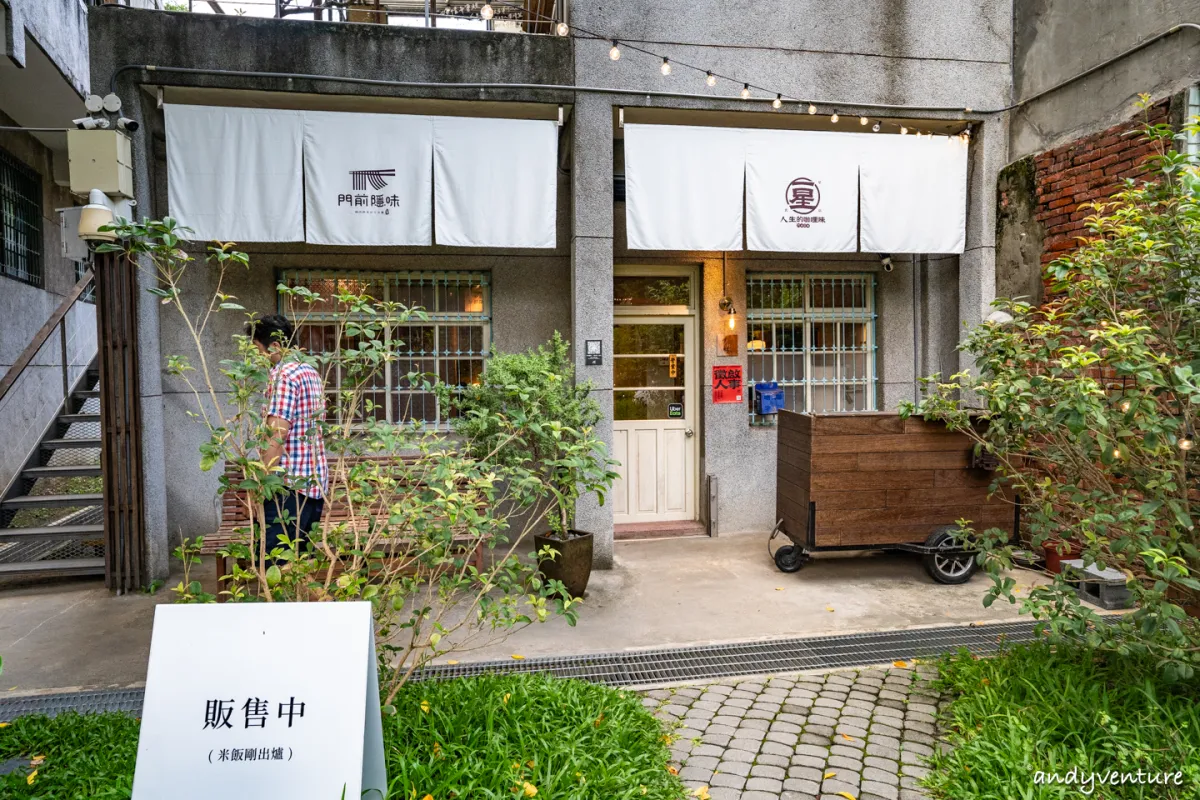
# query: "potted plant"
526,410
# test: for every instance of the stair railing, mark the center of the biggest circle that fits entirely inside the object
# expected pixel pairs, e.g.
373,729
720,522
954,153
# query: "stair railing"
57,321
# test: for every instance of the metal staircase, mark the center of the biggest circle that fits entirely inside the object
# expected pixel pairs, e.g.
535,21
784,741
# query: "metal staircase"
51,514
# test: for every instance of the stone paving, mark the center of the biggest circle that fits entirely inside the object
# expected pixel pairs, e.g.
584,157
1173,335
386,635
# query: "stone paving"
862,734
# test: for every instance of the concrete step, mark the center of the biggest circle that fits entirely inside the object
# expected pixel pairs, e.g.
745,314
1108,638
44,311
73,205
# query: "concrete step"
52,501
66,444
71,418
63,566
67,471
52,532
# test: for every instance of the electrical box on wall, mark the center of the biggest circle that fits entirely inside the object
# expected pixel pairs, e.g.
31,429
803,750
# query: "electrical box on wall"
100,160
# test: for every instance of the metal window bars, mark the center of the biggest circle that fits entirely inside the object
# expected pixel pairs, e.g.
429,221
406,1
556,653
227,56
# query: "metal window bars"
450,345
20,220
813,334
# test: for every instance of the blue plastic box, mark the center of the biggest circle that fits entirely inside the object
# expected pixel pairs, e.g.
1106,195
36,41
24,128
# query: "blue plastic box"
768,398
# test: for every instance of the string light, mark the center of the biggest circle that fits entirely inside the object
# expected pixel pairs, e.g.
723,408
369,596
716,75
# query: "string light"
486,11
833,117
862,120
615,52
562,29
777,102
745,91
710,79
812,109
666,66
875,127
903,130
1187,441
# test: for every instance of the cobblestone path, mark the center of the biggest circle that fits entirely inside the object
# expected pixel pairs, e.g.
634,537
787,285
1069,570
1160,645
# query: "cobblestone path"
863,732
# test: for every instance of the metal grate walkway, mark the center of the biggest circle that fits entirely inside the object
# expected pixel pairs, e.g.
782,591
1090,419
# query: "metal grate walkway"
642,668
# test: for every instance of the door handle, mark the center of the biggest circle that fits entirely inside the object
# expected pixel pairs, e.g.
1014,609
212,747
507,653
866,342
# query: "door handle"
688,432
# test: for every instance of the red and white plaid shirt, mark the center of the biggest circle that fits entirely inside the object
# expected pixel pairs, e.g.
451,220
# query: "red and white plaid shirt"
296,394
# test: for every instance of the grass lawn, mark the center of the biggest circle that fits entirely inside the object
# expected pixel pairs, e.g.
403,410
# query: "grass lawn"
1037,708
488,737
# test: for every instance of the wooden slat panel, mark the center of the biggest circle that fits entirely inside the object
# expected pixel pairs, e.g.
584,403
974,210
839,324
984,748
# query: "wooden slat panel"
870,535
934,515
945,459
962,477
854,499
857,425
843,481
794,457
791,421
897,443
787,474
919,425
917,498
834,462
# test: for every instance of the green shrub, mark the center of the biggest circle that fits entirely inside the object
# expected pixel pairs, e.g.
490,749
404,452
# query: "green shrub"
1053,708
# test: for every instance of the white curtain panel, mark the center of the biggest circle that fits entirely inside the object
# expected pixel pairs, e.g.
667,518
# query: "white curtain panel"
801,191
683,187
496,182
368,179
914,194
234,174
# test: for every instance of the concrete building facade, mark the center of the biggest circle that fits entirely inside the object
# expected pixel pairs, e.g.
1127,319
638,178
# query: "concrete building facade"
44,76
914,63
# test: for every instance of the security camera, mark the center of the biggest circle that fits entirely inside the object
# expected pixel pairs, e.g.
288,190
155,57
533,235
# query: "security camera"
90,123
127,124
885,261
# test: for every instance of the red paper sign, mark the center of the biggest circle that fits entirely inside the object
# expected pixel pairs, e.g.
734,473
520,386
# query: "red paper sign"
727,384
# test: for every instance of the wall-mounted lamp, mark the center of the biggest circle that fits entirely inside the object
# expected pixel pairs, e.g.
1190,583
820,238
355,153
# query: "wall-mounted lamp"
726,305
95,215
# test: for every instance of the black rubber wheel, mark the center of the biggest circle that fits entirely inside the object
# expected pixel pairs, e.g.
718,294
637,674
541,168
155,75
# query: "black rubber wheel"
949,570
789,558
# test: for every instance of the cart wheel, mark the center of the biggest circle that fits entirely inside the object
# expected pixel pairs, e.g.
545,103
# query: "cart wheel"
789,558
947,569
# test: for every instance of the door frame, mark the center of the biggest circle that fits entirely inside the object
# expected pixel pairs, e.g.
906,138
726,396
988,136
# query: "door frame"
695,372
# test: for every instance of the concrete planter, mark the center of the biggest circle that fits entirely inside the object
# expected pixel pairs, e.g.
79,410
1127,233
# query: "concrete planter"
572,565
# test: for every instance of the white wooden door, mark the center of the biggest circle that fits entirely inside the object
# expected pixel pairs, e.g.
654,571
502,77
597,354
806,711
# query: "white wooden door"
654,418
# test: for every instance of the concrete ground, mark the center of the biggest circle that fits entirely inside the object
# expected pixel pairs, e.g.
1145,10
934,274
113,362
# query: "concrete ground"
661,593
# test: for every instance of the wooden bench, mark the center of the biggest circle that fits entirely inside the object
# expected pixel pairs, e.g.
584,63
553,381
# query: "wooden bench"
235,519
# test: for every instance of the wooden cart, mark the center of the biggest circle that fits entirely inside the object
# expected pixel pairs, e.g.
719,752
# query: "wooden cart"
875,481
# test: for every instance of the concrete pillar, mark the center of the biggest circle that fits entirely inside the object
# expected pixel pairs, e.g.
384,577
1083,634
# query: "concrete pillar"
894,332
591,284
977,265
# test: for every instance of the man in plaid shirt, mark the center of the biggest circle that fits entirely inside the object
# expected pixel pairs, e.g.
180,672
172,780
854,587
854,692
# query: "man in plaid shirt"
294,409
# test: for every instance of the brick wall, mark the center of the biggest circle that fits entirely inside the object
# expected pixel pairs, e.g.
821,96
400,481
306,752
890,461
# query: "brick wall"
1083,171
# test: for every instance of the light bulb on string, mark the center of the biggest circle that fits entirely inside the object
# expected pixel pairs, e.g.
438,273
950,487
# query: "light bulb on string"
562,29
710,79
665,69
745,91
812,109
833,117
615,52
1188,440
777,102
862,120
903,130
875,127
486,11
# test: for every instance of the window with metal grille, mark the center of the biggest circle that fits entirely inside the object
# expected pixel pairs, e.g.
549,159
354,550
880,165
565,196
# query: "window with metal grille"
89,294
20,221
450,345
815,336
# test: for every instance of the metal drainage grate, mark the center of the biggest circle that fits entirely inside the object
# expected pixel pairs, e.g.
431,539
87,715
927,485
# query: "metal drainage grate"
672,665
92,702
648,667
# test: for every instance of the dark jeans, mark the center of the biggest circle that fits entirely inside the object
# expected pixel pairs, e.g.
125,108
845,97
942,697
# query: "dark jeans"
301,512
